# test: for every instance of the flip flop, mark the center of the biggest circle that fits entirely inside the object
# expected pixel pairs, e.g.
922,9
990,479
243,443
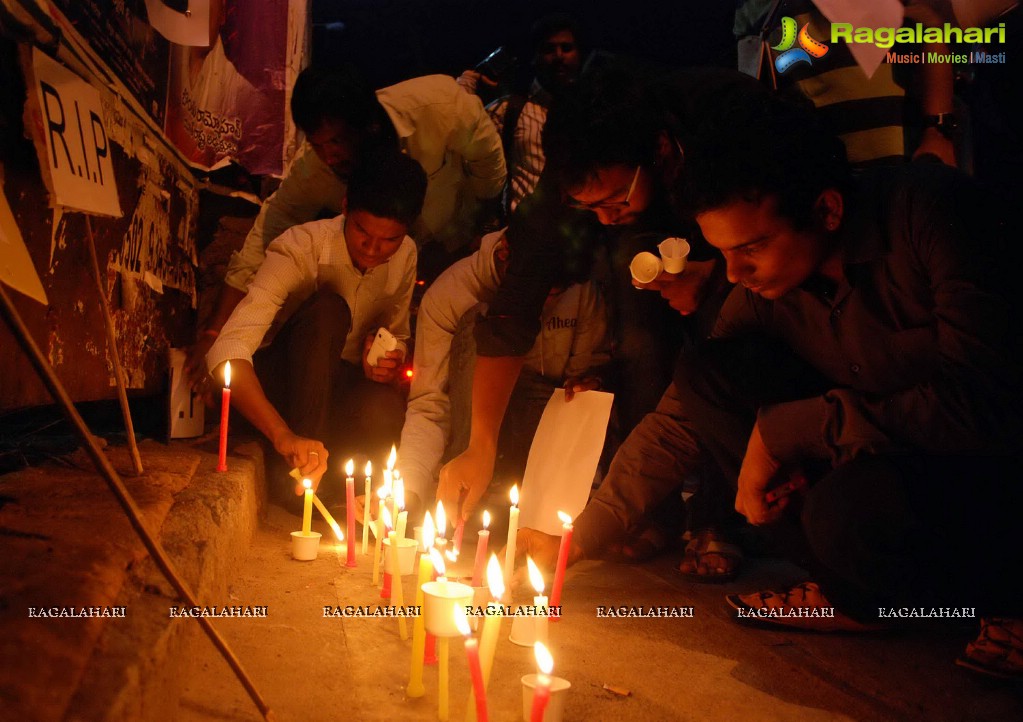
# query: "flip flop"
704,543
998,649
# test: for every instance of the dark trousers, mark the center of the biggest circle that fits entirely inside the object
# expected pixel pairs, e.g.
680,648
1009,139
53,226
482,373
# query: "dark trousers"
320,395
895,530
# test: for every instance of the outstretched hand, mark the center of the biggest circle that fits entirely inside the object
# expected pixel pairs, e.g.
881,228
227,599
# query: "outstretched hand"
684,291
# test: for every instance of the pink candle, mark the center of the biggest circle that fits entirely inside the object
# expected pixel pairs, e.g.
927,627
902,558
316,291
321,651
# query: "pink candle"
225,407
481,551
350,508
385,517
459,530
559,573
472,653
542,691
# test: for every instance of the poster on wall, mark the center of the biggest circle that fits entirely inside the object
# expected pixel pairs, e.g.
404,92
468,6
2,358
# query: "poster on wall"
226,99
74,148
119,32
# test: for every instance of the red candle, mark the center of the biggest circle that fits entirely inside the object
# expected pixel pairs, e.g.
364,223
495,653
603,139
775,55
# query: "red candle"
350,506
472,653
459,530
481,552
542,691
225,407
559,573
385,517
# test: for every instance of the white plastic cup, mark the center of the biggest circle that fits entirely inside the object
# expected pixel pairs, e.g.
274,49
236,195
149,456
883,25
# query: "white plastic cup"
645,267
406,554
304,547
674,254
523,631
555,711
439,600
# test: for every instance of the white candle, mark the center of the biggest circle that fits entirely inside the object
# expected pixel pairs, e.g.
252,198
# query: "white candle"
399,503
540,620
513,530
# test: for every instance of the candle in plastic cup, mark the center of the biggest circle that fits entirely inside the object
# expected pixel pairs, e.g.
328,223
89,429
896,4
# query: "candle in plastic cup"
645,267
674,253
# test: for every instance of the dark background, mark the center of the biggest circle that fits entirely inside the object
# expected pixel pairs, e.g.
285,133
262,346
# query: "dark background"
393,40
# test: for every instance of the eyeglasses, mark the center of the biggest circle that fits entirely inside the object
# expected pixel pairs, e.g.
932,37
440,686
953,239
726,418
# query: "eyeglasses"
608,205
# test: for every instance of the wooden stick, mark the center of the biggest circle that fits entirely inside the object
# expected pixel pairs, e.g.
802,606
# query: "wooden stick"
119,377
107,471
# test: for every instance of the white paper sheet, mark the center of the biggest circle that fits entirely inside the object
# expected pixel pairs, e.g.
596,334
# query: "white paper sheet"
16,267
563,459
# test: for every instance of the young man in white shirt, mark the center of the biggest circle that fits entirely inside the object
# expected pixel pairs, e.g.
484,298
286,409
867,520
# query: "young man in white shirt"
325,287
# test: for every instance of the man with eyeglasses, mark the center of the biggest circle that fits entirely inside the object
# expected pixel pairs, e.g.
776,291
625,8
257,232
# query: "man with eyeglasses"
614,150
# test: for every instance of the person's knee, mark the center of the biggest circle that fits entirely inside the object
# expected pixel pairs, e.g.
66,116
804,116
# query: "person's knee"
327,310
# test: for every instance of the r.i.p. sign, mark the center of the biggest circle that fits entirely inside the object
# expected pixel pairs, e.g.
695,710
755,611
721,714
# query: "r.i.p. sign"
73,145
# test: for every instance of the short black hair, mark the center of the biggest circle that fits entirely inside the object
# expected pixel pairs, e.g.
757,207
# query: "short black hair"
605,119
387,184
778,147
548,25
324,93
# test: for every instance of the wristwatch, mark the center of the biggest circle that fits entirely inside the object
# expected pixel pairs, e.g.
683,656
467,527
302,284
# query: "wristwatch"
945,123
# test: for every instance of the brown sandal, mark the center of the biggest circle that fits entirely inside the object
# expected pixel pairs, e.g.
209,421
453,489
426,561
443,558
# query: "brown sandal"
706,543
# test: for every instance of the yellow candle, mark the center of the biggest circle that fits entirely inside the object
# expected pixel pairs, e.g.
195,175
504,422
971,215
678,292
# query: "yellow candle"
415,681
328,518
397,593
378,529
367,500
492,622
513,530
399,503
307,507
442,674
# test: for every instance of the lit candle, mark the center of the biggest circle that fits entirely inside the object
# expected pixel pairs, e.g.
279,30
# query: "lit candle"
492,621
389,474
379,533
559,572
542,691
385,519
397,592
399,503
513,530
415,679
307,507
225,409
328,518
539,601
481,551
442,525
430,655
350,509
472,653
367,500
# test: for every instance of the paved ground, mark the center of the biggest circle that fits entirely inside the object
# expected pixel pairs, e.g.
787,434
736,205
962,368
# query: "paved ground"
66,543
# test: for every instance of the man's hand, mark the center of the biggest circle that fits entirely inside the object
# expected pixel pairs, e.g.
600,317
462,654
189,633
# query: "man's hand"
578,384
471,80
758,469
195,362
543,548
307,455
467,475
388,365
685,291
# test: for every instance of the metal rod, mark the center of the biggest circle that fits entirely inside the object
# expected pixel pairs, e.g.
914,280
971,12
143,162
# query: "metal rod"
119,377
123,496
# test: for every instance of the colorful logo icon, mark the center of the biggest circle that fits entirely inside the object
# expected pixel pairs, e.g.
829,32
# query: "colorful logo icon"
789,55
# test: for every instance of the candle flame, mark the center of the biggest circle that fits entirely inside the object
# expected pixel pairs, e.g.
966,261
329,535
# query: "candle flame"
460,620
441,520
514,494
486,519
565,518
369,469
337,531
438,562
392,458
452,555
386,516
535,577
227,375
544,660
384,491
350,468
495,579
307,483
429,531
399,494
